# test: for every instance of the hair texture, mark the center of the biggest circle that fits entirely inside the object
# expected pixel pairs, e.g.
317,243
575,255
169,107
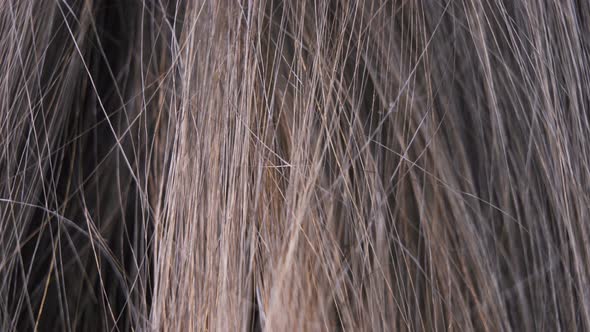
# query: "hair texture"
304,165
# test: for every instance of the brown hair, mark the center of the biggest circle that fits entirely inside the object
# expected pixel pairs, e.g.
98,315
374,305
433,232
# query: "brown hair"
287,165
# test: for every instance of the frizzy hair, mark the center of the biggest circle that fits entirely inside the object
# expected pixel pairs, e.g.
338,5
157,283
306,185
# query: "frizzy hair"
287,165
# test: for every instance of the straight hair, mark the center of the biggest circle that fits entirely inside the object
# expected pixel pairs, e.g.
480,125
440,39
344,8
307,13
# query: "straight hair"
277,165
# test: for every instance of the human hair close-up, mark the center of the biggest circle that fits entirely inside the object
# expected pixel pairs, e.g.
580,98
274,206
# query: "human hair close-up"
294,165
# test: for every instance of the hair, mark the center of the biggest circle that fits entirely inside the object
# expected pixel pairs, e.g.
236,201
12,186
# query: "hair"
276,165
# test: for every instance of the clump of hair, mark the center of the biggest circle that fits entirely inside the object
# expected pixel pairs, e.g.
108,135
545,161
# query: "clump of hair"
274,165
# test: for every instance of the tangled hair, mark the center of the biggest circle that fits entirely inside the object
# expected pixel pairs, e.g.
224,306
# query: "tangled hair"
294,165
